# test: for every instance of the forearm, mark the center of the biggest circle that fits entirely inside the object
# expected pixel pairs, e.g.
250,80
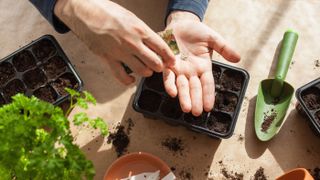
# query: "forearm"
178,15
85,16
196,7
65,10
70,12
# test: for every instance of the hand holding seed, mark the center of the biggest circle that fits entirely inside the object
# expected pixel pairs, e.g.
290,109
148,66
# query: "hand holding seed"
191,77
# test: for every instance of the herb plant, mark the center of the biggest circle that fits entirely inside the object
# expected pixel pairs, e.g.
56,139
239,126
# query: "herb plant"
36,141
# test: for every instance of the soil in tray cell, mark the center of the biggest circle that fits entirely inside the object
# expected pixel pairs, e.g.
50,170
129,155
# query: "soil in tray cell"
219,122
54,67
226,101
311,97
34,78
23,61
198,121
232,80
46,93
6,72
155,82
43,49
66,80
216,74
2,101
149,101
13,87
171,108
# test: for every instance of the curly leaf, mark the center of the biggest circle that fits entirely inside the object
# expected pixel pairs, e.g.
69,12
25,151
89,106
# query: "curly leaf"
72,92
88,96
80,118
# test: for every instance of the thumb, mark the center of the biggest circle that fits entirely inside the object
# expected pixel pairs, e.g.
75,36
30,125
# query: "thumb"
218,44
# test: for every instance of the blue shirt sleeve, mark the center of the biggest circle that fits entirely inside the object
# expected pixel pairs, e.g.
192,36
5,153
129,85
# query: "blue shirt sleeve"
46,8
198,7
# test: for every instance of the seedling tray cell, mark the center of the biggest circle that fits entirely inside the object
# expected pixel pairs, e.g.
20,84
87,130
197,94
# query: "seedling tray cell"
231,83
309,101
40,68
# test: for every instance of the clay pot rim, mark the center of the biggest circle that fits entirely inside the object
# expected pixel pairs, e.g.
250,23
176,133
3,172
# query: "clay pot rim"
307,175
134,155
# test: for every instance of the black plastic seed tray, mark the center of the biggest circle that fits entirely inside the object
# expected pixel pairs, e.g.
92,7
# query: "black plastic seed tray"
309,101
231,84
40,68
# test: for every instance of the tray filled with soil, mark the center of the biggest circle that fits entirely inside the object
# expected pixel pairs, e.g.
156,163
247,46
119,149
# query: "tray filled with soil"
308,105
39,69
230,84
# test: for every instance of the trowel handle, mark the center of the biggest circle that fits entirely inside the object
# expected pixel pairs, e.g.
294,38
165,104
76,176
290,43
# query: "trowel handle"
288,45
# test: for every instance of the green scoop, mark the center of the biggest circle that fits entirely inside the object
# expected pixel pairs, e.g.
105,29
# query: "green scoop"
274,95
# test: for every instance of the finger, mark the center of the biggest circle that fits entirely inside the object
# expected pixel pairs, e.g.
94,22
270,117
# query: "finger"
196,95
217,43
157,44
208,90
149,58
119,72
169,82
183,93
138,67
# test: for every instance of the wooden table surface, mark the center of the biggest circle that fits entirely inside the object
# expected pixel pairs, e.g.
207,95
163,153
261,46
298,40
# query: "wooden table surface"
254,28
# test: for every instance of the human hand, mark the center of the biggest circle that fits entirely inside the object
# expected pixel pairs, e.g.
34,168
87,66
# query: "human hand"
191,77
117,36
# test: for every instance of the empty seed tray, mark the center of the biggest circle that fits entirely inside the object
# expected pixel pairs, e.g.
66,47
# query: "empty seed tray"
309,103
40,68
231,84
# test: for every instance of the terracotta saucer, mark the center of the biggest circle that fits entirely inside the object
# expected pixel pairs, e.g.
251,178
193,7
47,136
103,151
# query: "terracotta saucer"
136,163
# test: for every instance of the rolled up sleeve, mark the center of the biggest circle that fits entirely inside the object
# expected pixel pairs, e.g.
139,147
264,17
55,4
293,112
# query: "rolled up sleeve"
46,8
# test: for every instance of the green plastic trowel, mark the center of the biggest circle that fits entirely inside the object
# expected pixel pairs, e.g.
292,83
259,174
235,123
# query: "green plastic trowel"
274,95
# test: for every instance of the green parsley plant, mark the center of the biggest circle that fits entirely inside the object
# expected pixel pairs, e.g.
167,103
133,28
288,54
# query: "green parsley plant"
36,141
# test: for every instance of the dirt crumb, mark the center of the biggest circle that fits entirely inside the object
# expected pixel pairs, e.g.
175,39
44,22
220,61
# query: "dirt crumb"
185,175
315,173
317,63
230,175
259,175
240,138
173,144
275,100
130,125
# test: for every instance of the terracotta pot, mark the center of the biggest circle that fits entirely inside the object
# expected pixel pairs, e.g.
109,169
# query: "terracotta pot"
296,174
136,163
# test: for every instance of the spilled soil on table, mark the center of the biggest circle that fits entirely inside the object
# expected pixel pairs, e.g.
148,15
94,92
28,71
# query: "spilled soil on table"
259,175
230,174
174,145
120,138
